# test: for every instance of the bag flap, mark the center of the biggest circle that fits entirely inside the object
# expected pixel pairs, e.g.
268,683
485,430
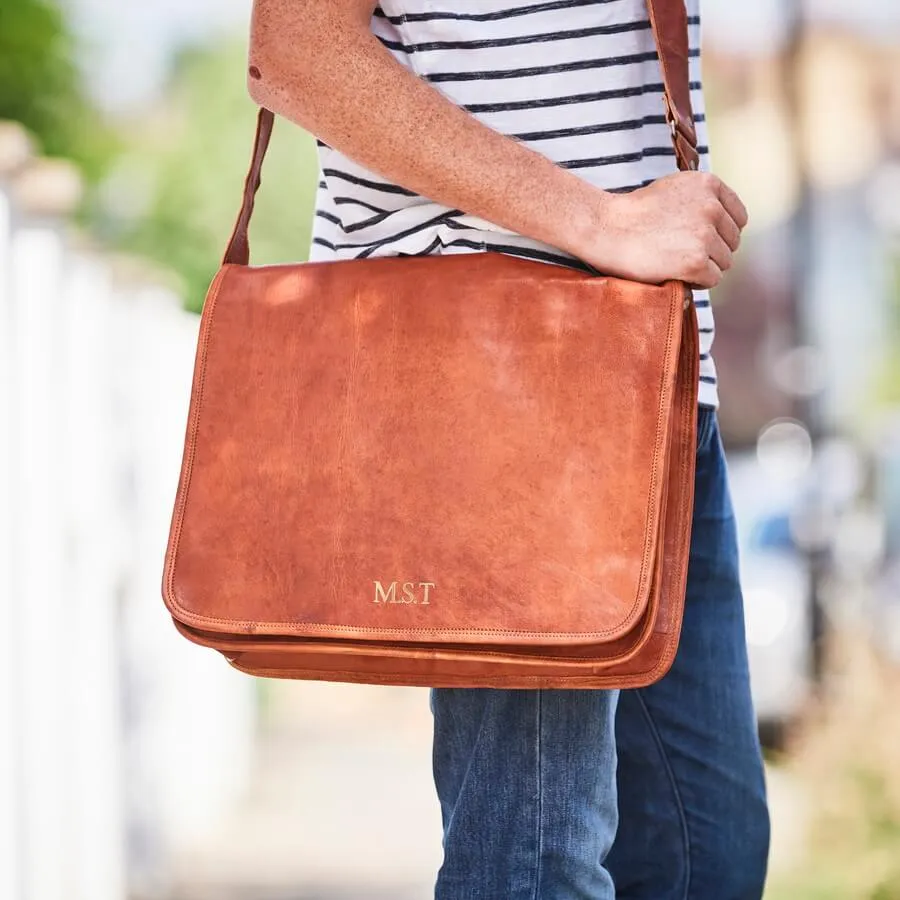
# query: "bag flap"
461,448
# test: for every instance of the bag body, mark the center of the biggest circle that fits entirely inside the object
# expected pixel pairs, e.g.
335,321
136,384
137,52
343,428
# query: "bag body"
436,471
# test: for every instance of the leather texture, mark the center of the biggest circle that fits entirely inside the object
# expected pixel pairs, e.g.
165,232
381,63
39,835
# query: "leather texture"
436,471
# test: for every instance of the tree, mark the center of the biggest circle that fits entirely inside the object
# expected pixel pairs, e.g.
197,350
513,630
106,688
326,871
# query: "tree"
178,186
40,85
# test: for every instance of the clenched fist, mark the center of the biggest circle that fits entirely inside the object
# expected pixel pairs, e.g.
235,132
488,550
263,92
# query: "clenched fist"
686,226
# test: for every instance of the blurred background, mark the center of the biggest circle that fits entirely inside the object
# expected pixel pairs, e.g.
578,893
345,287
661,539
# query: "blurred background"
134,765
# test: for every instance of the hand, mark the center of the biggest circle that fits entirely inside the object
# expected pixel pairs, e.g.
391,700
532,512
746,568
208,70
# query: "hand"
685,226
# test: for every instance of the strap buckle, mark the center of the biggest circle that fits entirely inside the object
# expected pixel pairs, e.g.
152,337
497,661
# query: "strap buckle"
684,137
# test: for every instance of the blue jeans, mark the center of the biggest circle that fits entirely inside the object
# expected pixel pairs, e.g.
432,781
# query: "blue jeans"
650,794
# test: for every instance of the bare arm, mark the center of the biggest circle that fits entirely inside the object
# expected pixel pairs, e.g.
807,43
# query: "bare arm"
317,63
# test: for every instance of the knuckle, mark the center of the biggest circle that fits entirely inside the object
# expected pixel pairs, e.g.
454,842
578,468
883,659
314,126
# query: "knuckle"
697,260
712,208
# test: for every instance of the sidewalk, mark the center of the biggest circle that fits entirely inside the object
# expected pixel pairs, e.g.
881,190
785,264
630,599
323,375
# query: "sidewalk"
342,806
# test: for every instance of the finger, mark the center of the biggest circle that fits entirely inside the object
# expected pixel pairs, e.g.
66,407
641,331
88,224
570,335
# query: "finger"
733,204
720,254
707,278
728,230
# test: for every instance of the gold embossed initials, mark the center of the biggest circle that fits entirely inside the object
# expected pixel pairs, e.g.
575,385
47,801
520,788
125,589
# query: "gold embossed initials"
410,592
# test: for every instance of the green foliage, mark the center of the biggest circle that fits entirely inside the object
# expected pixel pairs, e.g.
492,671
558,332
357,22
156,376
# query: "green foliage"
169,183
177,191
40,85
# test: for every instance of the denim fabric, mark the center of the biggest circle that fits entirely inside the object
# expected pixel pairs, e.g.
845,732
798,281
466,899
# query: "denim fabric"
651,794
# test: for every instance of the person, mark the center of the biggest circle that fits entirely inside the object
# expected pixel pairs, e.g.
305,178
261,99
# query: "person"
536,128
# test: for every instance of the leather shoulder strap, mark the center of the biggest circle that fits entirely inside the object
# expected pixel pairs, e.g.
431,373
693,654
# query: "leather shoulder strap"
668,21
238,249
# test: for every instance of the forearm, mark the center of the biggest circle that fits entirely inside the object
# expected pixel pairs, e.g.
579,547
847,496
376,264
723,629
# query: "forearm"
333,77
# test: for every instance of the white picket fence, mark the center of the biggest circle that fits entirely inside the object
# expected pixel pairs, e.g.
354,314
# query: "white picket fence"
120,743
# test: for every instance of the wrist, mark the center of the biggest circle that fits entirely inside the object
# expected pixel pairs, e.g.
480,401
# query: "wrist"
587,230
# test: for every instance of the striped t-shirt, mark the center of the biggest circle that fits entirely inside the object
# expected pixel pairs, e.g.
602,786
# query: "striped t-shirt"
577,80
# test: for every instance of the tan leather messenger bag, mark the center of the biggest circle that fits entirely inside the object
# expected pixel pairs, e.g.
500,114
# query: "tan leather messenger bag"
437,470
